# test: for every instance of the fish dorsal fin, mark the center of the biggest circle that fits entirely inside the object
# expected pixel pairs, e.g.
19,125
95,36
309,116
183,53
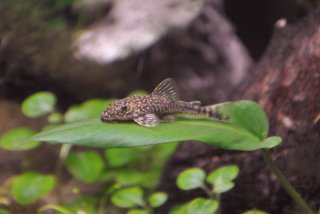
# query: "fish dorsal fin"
167,88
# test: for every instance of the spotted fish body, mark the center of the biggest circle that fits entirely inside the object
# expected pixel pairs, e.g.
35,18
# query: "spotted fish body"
147,110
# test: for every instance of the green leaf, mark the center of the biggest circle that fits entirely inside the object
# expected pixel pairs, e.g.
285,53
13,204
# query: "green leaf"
89,109
128,177
157,199
203,206
85,166
221,178
30,187
120,157
248,115
128,197
191,179
4,211
138,211
273,141
150,179
11,140
255,212
38,104
55,118
83,204
58,208
182,209
234,134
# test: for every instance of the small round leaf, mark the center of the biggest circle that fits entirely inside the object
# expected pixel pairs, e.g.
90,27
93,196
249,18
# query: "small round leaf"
38,104
4,211
83,204
55,118
255,212
157,199
120,157
221,178
272,141
30,186
11,140
128,177
89,109
203,206
85,166
58,208
128,197
138,211
191,179
224,186
182,209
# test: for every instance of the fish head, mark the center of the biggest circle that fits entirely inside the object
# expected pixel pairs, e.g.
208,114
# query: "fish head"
124,109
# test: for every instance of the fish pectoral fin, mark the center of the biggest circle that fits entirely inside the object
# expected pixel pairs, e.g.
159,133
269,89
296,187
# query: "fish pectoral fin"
167,88
147,120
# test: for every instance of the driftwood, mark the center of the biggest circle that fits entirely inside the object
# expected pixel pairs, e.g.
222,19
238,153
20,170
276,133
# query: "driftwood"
286,83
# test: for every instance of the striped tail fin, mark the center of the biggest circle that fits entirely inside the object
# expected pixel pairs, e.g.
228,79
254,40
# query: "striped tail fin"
207,111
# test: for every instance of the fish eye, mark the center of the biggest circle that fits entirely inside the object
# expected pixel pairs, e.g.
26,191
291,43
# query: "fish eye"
123,107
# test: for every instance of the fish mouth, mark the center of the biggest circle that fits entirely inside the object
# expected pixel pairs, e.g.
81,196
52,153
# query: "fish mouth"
104,117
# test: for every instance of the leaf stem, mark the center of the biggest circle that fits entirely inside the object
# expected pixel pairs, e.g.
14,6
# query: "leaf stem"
208,192
285,183
63,153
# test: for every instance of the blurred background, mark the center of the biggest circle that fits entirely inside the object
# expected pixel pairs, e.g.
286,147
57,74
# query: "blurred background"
85,53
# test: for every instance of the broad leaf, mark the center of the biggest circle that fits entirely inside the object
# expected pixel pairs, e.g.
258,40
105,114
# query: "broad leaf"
249,116
244,130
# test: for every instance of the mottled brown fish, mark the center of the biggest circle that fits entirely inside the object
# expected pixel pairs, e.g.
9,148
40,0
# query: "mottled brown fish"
147,110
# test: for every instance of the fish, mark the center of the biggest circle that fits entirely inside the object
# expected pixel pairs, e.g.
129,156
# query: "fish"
150,110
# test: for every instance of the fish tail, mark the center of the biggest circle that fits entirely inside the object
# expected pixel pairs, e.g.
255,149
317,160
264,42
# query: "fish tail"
195,107
208,112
